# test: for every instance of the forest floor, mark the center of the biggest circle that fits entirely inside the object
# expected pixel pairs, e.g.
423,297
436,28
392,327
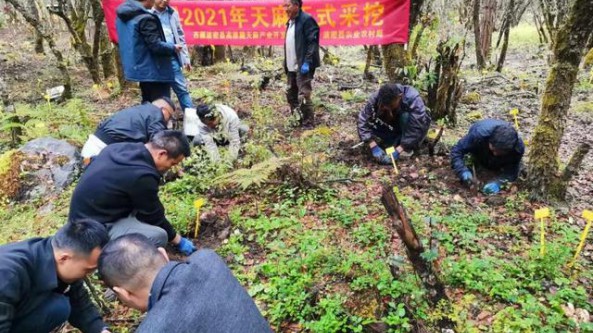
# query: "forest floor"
304,231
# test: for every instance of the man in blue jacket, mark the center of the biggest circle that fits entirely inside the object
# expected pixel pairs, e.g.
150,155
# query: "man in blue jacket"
120,188
134,124
301,58
394,116
41,284
174,34
200,295
145,53
493,144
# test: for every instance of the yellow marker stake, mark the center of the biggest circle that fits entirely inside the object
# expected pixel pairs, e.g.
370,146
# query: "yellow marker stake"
587,215
514,113
197,205
541,214
390,152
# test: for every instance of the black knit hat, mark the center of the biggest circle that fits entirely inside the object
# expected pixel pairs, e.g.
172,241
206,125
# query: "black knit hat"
206,111
504,137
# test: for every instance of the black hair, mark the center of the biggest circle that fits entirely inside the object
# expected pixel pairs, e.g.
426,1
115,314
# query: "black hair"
206,111
168,100
81,236
388,93
126,260
297,2
174,142
504,137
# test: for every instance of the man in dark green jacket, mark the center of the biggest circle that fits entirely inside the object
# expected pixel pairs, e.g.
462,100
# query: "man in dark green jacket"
41,284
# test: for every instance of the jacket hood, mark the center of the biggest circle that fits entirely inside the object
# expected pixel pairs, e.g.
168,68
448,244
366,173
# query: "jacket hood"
130,9
133,155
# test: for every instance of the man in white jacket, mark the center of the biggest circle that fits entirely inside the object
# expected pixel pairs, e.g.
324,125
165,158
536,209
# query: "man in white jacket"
217,125
174,34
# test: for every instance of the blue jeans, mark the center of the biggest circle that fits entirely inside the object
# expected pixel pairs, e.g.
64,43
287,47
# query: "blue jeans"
393,138
53,312
180,86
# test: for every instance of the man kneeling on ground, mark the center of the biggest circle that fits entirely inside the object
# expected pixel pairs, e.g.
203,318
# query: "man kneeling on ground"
134,124
199,295
120,188
41,280
493,144
217,125
394,116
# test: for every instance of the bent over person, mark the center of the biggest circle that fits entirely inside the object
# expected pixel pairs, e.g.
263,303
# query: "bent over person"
219,125
494,145
301,58
134,124
120,188
200,295
395,116
41,280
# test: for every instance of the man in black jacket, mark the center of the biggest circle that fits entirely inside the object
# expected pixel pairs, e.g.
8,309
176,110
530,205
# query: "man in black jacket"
41,283
301,58
394,116
120,188
134,124
200,295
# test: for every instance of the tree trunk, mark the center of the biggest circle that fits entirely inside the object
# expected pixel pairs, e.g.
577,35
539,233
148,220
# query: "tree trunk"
569,46
509,20
476,21
42,30
444,94
38,38
219,53
487,27
121,79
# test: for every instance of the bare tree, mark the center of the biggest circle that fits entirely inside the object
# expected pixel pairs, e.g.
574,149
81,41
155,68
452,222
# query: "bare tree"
544,178
42,30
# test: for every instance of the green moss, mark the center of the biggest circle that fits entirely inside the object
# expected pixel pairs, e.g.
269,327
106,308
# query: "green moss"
472,97
583,107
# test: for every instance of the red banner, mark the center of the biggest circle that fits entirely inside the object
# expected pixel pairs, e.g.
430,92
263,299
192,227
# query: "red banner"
341,22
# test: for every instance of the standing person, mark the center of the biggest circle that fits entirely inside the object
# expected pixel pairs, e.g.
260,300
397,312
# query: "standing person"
134,124
494,145
199,295
41,284
145,54
395,116
120,188
301,58
174,34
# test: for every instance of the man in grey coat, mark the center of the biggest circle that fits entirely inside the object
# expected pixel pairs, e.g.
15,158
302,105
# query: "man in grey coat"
200,295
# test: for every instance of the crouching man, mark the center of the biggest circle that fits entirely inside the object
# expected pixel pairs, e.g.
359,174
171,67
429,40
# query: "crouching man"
217,125
200,295
41,280
494,145
394,116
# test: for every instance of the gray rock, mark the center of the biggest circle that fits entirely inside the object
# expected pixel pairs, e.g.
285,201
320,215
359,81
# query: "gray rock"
50,166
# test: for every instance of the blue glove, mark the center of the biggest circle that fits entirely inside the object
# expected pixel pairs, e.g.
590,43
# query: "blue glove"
186,246
491,188
466,177
305,68
377,152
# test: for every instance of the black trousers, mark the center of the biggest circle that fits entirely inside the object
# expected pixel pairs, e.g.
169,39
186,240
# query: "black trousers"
154,90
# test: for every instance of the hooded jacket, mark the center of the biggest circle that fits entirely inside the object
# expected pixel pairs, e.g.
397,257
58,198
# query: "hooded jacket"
145,55
306,35
476,141
200,296
29,278
369,122
120,180
134,124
